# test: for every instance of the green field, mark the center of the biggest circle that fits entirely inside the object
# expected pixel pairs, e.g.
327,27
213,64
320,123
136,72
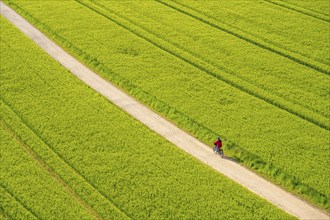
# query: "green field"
67,153
264,88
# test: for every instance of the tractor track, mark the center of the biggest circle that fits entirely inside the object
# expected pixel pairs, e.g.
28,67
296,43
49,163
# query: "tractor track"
239,84
17,200
49,170
301,10
53,174
186,142
322,68
262,88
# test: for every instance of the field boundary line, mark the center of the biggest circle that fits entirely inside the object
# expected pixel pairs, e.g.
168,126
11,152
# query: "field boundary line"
297,58
18,201
58,157
49,170
241,175
301,10
237,83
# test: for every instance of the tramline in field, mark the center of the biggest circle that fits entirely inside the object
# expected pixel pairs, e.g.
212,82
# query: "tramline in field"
259,99
77,155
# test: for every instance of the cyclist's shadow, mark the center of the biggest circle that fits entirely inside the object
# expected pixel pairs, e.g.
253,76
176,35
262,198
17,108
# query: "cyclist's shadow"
230,159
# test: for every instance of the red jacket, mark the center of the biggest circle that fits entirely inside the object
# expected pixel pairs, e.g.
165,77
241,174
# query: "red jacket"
218,143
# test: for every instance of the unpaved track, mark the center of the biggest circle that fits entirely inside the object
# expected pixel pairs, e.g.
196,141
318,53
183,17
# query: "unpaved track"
236,172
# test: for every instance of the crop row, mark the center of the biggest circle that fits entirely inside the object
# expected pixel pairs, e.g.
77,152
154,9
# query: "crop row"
68,176
320,7
161,36
270,26
298,9
10,207
33,140
98,149
276,84
51,173
195,105
31,183
208,68
250,39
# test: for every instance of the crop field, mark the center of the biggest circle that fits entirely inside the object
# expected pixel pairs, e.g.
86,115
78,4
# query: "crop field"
67,153
216,68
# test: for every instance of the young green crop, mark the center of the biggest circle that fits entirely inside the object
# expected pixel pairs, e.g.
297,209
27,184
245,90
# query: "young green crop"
22,56
264,69
268,23
318,9
277,90
103,154
10,208
280,98
28,191
256,132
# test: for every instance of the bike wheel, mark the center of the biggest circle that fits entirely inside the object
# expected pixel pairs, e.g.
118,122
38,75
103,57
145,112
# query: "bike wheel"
215,150
221,153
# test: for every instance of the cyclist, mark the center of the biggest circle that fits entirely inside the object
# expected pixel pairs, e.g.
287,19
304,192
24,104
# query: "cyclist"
218,144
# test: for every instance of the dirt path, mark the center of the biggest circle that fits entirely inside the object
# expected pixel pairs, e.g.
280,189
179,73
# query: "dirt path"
236,172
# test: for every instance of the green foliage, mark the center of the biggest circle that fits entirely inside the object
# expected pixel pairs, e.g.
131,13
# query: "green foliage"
317,9
10,208
111,162
223,84
27,189
260,90
290,37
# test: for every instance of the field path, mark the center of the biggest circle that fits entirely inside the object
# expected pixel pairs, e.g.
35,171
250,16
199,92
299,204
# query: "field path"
202,152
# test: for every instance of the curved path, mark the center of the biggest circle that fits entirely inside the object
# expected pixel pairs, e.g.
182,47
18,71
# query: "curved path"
234,171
